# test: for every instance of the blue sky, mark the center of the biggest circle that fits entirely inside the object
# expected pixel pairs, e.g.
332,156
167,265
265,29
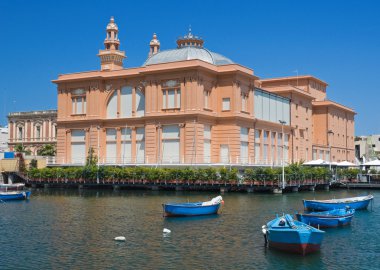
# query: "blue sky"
336,41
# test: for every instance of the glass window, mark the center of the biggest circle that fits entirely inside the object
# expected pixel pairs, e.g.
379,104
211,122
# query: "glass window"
38,132
226,104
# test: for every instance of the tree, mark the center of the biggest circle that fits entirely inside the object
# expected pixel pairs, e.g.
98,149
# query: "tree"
20,148
47,150
92,159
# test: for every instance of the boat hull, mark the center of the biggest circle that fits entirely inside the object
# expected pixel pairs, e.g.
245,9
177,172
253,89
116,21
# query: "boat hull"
294,241
325,205
292,236
295,248
12,195
327,219
173,210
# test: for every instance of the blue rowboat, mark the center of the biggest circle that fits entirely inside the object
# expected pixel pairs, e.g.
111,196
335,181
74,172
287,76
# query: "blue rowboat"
14,195
192,209
289,235
13,192
326,219
325,205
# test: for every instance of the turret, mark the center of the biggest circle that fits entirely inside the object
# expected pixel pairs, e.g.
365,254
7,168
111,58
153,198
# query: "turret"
154,45
111,57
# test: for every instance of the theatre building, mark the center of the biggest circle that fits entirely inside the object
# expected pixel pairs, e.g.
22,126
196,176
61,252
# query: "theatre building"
190,105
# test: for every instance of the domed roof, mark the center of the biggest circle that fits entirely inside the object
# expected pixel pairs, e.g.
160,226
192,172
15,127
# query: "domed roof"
188,53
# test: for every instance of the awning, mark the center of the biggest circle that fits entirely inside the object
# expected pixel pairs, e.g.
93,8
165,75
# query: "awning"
317,162
346,164
372,163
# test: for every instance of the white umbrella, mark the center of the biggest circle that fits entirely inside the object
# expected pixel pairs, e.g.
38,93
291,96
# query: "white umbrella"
316,162
346,164
372,163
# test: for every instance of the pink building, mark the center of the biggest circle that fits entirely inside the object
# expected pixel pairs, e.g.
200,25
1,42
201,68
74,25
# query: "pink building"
32,130
190,105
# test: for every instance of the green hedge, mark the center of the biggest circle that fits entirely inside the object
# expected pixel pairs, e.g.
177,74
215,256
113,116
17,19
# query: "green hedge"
293,172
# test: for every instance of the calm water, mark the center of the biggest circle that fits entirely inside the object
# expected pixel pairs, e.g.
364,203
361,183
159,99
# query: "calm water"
71,229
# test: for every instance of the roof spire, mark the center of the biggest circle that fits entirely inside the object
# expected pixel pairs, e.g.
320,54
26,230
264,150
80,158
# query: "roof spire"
154,45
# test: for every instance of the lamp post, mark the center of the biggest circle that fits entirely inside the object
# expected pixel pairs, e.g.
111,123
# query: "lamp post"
329,146
283,153
97,171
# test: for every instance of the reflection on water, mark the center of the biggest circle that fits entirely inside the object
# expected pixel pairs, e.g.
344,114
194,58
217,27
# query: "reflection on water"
76,229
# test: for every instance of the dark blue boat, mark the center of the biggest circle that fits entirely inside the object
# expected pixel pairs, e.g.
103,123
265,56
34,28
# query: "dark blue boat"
289,235
356,203
192,209
326,219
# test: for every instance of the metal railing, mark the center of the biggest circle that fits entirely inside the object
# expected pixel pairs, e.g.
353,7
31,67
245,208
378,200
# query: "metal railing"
174,159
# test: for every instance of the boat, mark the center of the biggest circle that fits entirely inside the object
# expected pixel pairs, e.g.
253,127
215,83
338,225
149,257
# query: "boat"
356,203
193,209
289,235
326,219
13,192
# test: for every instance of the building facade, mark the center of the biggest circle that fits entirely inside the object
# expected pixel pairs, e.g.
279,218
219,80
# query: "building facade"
32,129
3,139
322,129
367,148
187,105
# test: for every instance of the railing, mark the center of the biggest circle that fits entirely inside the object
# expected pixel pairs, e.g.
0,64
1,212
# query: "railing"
29,140
33,112
170,160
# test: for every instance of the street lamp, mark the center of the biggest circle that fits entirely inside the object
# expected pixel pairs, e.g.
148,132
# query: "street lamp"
97,172
329,146
283,153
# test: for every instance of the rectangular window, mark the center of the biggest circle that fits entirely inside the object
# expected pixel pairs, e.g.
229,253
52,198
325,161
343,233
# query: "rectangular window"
207,144
171,98
320,154
19,135
38,132
170,144
140,145
78,146
226,104
78,105
126,145
244,145
244,102
171,95
110,145
206,99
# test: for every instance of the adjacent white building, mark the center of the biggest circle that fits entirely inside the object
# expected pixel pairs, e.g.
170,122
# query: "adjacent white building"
367,147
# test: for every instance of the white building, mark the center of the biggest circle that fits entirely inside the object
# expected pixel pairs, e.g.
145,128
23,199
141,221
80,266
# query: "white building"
367,147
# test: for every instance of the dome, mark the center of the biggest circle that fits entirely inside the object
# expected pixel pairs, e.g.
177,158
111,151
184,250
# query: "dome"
188,53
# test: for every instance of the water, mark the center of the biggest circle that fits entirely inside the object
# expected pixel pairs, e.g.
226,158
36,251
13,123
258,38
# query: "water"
71,229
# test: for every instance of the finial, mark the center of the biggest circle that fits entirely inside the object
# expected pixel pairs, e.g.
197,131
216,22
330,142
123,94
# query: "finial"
112,19
189,28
